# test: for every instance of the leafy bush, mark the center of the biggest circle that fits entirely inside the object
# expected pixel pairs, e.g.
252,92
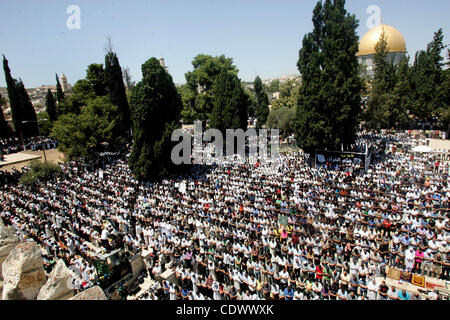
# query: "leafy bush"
97,123
40,171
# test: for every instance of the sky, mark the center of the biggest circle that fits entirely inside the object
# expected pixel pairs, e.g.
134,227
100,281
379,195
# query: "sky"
262,36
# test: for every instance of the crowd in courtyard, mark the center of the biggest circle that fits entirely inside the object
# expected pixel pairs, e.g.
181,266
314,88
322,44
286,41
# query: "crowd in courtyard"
220,227
13,144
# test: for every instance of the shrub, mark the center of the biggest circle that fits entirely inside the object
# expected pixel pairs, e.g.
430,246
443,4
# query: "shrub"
40,171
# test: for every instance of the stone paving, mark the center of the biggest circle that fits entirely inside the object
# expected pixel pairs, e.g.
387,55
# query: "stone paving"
14,158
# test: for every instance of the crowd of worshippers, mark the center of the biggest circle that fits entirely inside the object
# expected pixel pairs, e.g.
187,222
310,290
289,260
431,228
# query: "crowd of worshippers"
14,144
221,232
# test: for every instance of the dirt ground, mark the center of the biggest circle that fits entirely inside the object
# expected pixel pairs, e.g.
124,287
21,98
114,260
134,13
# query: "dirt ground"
52,155
439,144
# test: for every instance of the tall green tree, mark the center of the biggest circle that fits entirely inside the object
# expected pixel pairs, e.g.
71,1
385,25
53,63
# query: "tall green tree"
50,106
95,74
116,88
28,116
200,82
262,103
330,95
59,92
427,79
230,108
401,97
14,98
155,112
22,110
381,111
443,112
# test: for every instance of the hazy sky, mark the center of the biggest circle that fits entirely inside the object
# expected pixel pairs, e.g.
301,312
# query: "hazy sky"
262,36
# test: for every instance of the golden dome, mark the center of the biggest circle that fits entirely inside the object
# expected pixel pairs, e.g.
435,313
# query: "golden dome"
395,40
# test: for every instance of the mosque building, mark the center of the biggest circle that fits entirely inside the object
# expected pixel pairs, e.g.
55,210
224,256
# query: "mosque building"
395,43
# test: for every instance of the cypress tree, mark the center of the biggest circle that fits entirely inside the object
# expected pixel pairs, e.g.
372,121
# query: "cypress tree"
14,99
444,91
427,78
330,95
50,106
116,88
400,100
262,102
230,104
59,92
380,112
30,128
155,111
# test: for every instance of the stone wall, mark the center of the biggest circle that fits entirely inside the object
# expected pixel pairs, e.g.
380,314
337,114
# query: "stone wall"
8,241
23,272
94,293
58,285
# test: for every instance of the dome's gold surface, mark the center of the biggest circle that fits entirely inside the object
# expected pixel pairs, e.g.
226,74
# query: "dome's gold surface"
395,40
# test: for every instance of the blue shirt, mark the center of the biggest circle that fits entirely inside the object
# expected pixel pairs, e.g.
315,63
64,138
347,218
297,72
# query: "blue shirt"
403,297
184,293
288,295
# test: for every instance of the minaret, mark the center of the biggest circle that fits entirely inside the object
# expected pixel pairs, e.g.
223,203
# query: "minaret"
162,63
65,86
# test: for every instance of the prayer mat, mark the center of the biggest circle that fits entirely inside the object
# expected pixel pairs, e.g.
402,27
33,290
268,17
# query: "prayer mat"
432,286
418,280
406,276
394,274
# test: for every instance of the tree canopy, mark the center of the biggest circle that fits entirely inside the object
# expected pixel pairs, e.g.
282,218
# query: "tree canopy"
116,89
330,95
262,103
14,99
82,92
282,118
95,75
198,96
28,116
381,113
50,106
427,77
230,103
155,112
81,135
289,94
